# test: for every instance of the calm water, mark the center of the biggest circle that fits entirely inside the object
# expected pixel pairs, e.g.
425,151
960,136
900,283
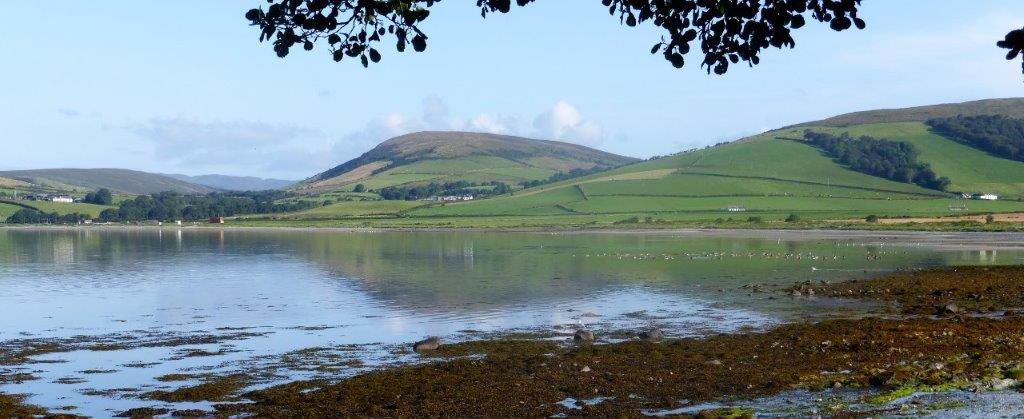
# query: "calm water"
248,297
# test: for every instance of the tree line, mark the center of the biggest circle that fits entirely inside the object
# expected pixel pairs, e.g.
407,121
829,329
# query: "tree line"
1000,135
32,216
458,188
893,160
175,206
560,176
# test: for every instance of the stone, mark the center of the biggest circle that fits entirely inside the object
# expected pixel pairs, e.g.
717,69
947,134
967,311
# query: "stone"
652,335
583,336
428,344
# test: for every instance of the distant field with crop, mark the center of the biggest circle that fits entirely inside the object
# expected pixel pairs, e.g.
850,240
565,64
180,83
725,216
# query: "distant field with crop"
355,209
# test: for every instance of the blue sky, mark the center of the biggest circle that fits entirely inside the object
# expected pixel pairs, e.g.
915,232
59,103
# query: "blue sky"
186,87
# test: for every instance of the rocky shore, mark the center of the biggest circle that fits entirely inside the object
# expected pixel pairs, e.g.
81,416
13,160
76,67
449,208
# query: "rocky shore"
955,329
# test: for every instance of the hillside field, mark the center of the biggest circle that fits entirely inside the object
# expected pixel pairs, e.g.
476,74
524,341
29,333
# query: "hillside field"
770,176
92,210
443,157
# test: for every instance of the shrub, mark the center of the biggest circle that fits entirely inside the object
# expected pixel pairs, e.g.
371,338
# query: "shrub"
871,218
754,220
792,218
989,219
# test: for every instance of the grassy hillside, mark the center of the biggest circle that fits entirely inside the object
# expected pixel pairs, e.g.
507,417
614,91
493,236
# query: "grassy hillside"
7,209
118,180
771,176
1013,107
971,170
748,173
92,210
457,156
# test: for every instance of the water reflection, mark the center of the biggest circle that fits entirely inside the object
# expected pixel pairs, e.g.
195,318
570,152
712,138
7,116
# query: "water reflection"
300,289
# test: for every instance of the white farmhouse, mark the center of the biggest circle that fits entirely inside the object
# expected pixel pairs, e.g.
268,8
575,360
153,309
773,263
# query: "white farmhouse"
986,196
62,198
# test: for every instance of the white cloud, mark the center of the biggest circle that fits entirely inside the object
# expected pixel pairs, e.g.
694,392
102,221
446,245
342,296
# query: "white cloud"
565,123
494,124
68,112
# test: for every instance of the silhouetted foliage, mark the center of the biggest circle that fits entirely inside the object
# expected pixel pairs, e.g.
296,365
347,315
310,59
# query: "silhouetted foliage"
174,206
893,160
100,197
996,134
31,216
560,176
725,31
360,188
434,189
1014,42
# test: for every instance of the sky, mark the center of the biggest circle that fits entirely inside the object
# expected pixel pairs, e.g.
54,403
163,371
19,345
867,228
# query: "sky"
186,87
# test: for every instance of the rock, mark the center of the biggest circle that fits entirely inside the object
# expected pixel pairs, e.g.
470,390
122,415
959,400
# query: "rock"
714,362
950,309
652,335
585,369
583,336
428,344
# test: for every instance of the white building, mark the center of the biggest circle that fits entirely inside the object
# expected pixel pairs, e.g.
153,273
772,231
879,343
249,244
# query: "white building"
736,208
62,198
986,197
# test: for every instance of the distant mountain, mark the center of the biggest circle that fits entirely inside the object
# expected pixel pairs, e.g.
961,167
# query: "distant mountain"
118,180
443,156
235,183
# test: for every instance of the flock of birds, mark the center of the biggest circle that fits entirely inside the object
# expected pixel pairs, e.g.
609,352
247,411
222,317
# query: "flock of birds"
874,255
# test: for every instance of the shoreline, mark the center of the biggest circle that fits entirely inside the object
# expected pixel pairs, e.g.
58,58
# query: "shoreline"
950,331
950,240
703,230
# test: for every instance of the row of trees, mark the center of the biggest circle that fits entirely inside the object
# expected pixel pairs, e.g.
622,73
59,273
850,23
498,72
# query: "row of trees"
412,193
893,160
560,176
1000,135
174,206
31,216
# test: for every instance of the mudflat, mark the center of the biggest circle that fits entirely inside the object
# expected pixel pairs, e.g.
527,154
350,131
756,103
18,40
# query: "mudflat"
978,345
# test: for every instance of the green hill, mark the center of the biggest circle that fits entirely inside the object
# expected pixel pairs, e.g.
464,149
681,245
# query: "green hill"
971,170
118,180
1012,107
768,176
426,157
